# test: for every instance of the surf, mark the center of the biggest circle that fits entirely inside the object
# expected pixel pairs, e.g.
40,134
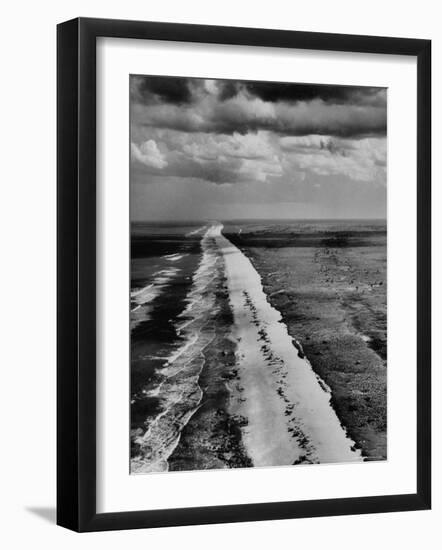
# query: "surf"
142,298
178,389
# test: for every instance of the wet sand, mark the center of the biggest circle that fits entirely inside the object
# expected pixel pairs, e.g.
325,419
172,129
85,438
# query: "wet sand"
212,438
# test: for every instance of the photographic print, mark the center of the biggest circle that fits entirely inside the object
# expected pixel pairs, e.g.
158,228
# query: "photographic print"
258,300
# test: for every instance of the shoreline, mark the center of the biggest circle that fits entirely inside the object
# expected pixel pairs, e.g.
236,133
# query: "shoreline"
211,439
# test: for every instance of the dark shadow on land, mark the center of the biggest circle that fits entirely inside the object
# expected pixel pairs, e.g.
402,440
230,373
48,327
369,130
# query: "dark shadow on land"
44,512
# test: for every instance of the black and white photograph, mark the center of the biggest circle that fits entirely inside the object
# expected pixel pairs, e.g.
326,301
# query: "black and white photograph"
258,300
221,255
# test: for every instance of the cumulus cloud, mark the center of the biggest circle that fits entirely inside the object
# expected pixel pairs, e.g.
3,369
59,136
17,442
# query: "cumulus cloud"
148,153
215,158
313,142
360,160
248,146
228,132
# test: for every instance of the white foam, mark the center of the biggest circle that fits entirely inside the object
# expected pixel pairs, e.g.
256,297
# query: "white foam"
287,407
174,257
196,231
144,296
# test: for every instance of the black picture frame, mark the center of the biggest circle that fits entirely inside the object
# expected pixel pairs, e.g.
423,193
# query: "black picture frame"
76,273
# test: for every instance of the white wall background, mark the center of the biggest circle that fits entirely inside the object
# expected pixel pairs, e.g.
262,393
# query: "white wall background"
27,299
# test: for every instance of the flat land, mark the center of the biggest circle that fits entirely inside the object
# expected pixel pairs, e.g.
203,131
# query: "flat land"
330,288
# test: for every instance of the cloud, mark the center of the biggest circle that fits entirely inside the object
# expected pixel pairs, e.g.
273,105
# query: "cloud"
148,154
215,158
228,132
294,92
223,158
360,160
244,114
154,89
333,145
206,147
179,90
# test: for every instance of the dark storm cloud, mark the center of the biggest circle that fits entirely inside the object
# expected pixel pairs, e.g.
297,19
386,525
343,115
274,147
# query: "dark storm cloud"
226,107
358,129
170,90
178,90
228,89
239,115
292,93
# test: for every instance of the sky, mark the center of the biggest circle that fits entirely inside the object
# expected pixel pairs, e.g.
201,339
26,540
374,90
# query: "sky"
224,149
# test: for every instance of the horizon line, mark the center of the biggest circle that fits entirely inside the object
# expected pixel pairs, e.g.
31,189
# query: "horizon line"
209,220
